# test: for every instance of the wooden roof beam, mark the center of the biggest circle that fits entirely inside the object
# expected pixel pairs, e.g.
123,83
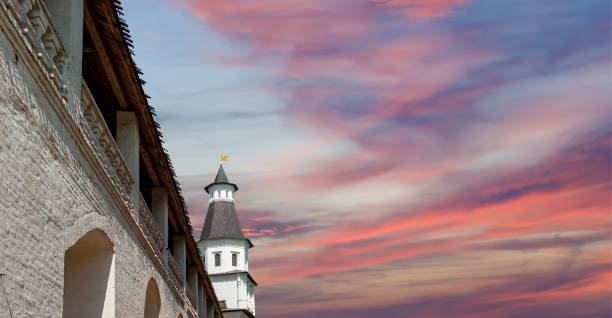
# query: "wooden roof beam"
115,85
149,165
90,24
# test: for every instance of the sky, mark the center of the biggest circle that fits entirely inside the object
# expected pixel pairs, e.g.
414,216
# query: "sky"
397,158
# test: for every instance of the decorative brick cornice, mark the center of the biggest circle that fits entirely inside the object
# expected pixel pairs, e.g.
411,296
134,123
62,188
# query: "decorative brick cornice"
101,142
32,20
176,271
150,227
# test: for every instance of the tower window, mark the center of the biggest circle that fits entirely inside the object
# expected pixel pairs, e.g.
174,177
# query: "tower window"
217,259
234,259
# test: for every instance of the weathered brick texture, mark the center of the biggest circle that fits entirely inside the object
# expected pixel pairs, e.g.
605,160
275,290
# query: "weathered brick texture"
49,198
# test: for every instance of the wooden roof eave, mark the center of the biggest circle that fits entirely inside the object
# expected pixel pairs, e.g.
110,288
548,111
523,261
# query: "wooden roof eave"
130,87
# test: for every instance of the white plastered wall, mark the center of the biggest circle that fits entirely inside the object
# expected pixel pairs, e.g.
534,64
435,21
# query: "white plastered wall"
233,287
52,196
226,247
223,192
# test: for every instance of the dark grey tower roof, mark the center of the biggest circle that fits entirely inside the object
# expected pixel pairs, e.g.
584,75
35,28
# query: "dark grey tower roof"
221,178
221,221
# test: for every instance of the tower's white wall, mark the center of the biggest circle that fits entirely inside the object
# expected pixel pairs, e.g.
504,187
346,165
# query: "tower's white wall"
226,247
226,288
222,192
236,290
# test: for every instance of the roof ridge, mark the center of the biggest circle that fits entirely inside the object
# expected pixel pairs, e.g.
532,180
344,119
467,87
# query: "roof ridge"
221,176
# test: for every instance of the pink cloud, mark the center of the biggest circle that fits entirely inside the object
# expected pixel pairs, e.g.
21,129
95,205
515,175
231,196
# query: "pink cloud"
409,104
274,24
424,8
553,196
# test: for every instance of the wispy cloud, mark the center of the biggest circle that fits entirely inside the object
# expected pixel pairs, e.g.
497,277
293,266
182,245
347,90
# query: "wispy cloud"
456,157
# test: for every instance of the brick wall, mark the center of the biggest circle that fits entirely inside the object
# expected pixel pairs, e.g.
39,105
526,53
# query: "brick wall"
50,196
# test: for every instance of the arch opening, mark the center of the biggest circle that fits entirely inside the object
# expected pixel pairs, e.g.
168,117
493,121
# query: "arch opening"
152,300
89,277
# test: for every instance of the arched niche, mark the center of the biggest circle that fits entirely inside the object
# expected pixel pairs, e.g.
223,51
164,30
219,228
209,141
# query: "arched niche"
89,277
152,300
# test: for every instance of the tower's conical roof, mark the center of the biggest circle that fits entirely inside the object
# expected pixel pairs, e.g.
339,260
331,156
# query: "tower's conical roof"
221,178
221,221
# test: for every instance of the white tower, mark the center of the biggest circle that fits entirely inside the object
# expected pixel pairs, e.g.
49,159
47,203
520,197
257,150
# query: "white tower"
226,251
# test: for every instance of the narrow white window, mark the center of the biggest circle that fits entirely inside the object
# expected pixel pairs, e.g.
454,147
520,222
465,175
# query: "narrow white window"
234,259
218,259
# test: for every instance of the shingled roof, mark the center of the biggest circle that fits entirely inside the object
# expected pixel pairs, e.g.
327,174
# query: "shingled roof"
221,221
221,178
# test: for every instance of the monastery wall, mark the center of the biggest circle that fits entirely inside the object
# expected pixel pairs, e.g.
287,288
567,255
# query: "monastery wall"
56,190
